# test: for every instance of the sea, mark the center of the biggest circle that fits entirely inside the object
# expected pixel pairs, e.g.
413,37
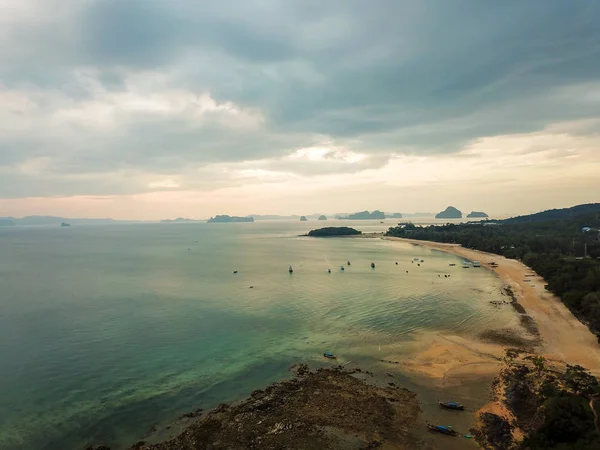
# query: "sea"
108,333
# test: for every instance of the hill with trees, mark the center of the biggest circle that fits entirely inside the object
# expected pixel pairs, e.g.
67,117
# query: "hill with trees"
558,214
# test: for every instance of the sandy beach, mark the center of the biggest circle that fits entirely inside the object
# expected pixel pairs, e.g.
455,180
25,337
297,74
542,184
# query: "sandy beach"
563,337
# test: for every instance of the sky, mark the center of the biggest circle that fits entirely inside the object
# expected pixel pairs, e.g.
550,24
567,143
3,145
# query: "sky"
150,109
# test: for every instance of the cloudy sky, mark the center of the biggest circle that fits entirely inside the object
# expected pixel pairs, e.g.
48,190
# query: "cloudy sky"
149,109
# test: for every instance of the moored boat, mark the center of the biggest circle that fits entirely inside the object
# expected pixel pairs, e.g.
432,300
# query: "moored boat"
442,429
373,265
290,270
452,405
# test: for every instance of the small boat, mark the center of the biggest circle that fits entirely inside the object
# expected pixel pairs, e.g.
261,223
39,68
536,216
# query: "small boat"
415,259
452,264
328,270
349,263
290,270
65,224
476,263
372,265
452,405
396,262
341,267
329,355
235,271
422,260
442,429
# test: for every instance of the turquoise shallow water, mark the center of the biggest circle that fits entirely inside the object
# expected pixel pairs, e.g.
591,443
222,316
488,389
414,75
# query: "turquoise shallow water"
108,330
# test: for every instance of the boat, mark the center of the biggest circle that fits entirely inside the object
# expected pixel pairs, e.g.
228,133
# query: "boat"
65,224
466,264
235,271
452,405
396,262
290,270
349,263
476,263
442,429
373,265
415,259
422,260
329,355
328,270
451,264
341,267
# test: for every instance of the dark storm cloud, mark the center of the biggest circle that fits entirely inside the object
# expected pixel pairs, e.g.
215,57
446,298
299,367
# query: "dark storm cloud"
380,77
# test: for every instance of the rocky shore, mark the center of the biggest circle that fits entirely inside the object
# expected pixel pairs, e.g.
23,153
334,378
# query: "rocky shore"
322,409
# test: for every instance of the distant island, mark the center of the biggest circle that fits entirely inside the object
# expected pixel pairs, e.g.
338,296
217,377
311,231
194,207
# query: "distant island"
303,219
321,217
449,213
178,220
396,216
334,231
477,215
365,215
56,221
228,219
65,224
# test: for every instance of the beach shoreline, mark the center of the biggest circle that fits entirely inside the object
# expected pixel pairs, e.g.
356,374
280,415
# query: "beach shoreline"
562,336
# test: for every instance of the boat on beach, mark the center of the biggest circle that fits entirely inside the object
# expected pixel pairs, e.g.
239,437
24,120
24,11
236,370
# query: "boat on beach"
452,405
329,355
442,429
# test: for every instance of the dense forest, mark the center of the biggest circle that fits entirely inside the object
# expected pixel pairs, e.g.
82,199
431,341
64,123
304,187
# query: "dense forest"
563,246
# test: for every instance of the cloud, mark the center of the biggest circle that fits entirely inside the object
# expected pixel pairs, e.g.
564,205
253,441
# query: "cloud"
107,97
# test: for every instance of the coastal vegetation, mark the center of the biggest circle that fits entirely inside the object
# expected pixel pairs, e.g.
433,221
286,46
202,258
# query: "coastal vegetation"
334,231
322,217
563,247
547,402
449,213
